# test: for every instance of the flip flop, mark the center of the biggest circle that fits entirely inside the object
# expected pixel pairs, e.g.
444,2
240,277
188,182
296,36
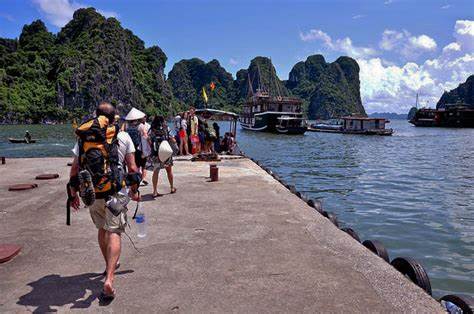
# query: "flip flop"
157,195
104,297
116,267
173,190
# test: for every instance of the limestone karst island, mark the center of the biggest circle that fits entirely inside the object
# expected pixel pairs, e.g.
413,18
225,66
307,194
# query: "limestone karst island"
236,156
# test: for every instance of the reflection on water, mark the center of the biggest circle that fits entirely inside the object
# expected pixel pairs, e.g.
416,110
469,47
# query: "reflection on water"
413,191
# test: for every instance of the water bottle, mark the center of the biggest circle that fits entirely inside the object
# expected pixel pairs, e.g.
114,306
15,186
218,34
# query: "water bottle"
141,222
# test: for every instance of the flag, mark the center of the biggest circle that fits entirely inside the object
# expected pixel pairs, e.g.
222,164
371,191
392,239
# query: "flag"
204,95
213,86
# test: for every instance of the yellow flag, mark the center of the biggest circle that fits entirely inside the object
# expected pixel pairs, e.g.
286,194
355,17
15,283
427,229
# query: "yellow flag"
204,95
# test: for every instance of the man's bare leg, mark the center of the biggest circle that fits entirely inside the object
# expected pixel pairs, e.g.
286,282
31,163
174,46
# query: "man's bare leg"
114,242
101,235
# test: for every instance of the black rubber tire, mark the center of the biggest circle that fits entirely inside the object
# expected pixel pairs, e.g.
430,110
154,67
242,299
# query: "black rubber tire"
332,218
462,301
316,205
258,163
352,233
414,270
276,177
298,194
269,172
377,248
292,189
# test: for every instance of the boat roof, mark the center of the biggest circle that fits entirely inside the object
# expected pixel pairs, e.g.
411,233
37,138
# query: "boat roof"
361,118
216,114
288,118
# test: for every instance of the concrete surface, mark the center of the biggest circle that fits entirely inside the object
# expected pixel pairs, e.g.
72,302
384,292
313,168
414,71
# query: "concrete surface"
243,244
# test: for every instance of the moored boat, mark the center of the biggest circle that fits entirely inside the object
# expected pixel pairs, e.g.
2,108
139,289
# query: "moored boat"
265,113
355,125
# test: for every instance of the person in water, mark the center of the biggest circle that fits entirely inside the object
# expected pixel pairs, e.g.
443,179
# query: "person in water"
27,137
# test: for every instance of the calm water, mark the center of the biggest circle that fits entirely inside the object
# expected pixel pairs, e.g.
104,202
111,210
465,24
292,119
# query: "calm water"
413,191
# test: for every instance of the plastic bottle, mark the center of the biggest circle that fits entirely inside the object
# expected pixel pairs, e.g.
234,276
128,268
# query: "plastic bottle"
141,222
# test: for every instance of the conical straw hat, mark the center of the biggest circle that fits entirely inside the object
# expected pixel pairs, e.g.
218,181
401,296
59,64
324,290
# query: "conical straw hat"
164,151
135,114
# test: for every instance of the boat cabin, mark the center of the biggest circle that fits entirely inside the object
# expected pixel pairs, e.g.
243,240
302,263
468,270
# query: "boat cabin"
363,123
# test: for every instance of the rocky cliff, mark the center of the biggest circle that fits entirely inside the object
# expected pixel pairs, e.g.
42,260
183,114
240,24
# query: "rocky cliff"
91,59
463,94
188,77
45,76
329,89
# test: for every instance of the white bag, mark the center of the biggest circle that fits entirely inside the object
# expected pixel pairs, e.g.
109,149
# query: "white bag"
165,151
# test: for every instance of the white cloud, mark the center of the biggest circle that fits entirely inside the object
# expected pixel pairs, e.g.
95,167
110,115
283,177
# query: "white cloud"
358,16
388,87
388,2
446,6
406,44
233,61
7,17
60,12
343,45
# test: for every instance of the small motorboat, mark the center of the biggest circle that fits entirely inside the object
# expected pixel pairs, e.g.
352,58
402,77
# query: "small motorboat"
21,141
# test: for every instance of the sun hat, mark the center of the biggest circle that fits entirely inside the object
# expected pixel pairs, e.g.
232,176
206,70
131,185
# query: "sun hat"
135,114
164,151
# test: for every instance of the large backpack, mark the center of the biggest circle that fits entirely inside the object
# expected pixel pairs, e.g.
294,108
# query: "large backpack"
98,154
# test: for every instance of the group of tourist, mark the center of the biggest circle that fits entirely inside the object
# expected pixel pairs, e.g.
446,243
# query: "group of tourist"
101,169
195,135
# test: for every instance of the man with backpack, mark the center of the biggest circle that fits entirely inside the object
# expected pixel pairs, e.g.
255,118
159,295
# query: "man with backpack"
103,165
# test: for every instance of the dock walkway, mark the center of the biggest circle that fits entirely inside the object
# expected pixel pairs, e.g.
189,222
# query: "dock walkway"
243,244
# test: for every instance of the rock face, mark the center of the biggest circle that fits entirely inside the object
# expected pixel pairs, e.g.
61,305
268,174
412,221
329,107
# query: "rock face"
188,77
463,94
411,113
328,89
260,74
90,60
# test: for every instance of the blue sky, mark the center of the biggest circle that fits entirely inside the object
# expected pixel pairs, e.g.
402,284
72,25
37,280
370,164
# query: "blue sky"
400,45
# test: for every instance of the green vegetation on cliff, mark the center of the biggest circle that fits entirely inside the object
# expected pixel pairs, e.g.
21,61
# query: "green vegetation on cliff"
188,77
463,94
44,76
329,89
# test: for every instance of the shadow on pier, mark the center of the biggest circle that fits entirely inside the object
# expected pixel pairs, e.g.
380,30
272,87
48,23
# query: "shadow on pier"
54,290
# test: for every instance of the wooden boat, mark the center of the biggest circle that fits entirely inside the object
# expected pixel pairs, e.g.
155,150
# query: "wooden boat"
265,112
450,116
355,125
21,141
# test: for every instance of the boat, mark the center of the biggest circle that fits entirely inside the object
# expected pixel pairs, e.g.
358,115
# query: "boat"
450,116
331,126
264,112
21,140
355,125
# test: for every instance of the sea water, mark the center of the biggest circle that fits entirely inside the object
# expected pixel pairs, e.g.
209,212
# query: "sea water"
413,191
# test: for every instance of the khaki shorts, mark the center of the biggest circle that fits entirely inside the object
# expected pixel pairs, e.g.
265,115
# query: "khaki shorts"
104,219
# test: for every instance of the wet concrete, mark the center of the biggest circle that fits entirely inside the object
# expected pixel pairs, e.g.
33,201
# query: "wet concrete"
242,244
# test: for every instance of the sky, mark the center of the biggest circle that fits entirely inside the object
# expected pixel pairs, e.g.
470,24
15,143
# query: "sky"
402,47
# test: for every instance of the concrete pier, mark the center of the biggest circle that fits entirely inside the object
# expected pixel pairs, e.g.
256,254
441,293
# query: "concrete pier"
244,244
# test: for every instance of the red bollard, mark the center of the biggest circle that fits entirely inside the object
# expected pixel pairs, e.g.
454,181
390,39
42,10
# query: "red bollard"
214,173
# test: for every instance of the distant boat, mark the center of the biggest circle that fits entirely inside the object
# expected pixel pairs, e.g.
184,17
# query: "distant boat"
355,125
21,141
267,113
451,116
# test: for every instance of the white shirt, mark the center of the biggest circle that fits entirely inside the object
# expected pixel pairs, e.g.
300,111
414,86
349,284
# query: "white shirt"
143,128
125,147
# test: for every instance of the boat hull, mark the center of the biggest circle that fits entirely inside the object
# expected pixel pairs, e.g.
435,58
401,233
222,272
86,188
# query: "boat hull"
268,122
20,141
